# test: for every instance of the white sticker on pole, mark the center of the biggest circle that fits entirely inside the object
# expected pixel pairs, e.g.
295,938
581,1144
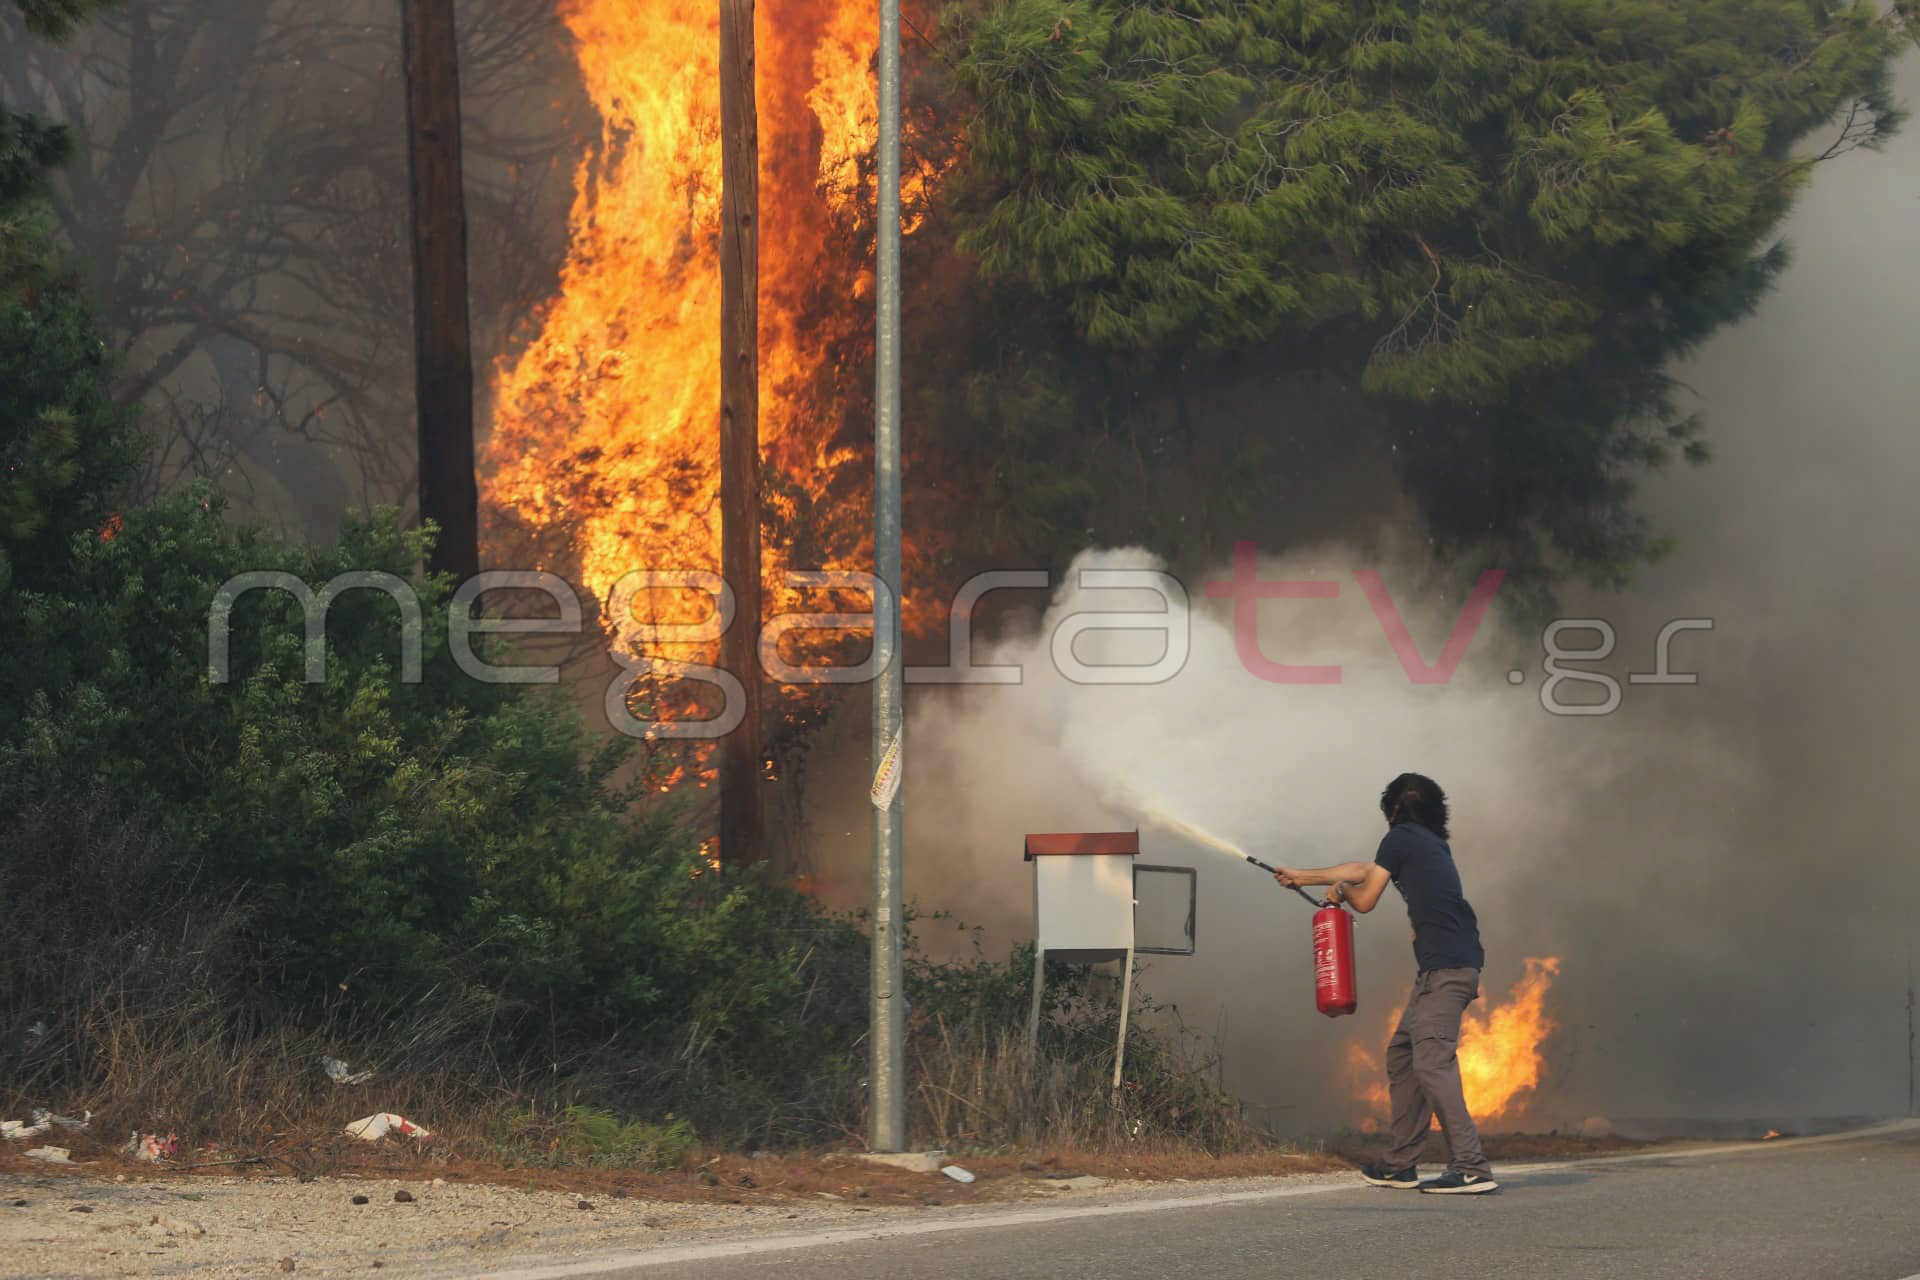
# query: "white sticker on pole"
886,779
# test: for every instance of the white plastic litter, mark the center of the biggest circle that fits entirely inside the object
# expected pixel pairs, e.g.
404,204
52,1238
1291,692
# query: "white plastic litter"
50,1155
340,1073
958,1174
374,1127
18,1130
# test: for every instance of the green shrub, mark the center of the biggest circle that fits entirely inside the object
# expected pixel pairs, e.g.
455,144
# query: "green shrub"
582,1135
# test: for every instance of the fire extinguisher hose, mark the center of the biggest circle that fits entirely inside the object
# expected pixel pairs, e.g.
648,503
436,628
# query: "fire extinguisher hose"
1311,900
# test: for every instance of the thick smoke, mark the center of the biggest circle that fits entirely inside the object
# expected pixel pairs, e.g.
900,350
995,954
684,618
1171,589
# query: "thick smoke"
1290,772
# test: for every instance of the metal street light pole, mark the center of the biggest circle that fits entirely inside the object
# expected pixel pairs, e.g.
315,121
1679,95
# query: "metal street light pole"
887,1028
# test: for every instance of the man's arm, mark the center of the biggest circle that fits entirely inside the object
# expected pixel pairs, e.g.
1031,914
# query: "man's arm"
1359,884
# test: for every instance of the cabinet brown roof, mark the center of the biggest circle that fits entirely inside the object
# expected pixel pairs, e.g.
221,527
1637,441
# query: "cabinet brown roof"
1083,842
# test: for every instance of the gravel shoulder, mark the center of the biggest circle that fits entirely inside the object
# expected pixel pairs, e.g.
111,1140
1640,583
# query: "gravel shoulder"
77,1224
108,1217
72,1224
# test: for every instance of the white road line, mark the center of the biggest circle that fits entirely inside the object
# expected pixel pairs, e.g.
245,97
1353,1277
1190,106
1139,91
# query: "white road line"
1058,1212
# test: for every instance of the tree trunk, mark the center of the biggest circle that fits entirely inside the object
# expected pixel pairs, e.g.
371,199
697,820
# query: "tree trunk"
742,833
442,346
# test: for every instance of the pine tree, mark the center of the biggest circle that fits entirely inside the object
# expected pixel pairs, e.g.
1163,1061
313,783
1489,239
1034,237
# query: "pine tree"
1502,219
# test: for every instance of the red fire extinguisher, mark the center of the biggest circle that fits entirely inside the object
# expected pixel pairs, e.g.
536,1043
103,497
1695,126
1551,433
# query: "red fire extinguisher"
1334,990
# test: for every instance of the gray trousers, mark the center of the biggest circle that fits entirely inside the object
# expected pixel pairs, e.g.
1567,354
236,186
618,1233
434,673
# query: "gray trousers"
1423,1073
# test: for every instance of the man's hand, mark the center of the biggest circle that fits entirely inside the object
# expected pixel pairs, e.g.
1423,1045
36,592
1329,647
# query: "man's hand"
1357,884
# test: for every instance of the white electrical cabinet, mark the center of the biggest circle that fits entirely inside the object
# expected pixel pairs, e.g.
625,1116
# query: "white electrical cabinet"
1083,912
1083,894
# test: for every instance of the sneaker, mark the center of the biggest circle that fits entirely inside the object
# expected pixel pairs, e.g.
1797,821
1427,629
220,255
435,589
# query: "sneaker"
1381,1176
1455,1183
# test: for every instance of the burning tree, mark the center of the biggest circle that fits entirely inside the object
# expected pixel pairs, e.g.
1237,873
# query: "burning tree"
603,457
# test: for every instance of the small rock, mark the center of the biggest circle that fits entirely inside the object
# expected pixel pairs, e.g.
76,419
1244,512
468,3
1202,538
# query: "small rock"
653,1224
862,1193
583,1204
439,1182
80,1208
286,1264
403,1196
930,1200
378,1263
19,1204
360,1200
163,1225
1082,1182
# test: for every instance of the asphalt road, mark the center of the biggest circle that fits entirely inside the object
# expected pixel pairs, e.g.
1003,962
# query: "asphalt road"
1845,1209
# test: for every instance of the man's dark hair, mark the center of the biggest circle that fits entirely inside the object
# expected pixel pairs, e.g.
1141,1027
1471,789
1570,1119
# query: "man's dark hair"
1414,797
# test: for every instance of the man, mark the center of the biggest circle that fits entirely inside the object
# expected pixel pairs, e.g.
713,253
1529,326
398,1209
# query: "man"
1422,1069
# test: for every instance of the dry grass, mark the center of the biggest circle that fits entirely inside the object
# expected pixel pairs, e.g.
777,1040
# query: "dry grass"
980,1087
259,1100
194,1068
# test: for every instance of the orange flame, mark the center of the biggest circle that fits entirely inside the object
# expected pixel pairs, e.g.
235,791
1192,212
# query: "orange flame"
1500,1050
603,457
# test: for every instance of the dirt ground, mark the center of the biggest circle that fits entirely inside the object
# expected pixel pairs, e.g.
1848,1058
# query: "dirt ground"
109,1216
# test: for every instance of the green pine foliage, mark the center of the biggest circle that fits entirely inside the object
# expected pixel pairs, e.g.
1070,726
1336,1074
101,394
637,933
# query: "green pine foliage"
1501,219
64,443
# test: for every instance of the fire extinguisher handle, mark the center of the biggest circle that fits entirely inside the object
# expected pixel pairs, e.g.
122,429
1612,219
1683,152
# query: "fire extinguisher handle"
1316,905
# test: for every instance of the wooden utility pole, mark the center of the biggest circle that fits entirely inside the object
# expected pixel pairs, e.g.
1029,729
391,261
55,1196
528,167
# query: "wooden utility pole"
742,830
442,345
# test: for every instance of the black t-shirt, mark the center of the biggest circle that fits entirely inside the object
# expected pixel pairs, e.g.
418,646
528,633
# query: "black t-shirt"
1445,933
